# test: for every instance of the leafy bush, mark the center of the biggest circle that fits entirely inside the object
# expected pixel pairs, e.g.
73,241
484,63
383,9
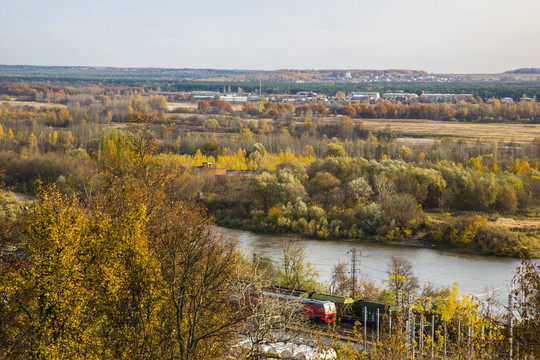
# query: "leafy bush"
335,150
498,241
373,218
403,210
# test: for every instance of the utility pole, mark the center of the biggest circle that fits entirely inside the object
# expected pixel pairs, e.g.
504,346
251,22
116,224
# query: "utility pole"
410,326
355,265
510,324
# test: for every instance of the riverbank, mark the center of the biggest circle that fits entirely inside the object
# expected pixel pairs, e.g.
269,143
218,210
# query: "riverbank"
430,238
474,274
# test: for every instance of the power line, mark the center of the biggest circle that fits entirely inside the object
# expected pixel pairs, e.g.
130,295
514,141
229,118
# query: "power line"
430,270
355,263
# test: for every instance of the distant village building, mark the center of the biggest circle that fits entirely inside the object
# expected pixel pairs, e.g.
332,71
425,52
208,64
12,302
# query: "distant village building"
204,95
233,98
507,100
364,96
430,98
208,168
300,97
399,97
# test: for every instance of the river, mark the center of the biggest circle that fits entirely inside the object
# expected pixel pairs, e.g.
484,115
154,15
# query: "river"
475,274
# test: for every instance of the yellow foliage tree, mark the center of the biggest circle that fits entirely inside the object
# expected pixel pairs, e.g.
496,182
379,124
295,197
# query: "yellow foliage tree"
48,316
32,143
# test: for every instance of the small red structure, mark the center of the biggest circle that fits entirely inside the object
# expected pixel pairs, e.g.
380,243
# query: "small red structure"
208,168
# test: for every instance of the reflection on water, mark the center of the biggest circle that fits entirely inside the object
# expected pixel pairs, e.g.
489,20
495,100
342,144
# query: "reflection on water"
474,274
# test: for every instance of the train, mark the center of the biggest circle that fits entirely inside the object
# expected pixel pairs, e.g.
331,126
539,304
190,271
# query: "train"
329,308
347,309
317,310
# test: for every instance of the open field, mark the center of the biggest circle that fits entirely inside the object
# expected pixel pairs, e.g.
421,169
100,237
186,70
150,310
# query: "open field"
421,130
39,105
484,132
171,106
531,224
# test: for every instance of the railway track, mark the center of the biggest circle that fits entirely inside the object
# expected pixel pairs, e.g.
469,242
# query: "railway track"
338,331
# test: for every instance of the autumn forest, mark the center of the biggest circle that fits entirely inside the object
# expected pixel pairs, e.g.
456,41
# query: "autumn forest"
109,188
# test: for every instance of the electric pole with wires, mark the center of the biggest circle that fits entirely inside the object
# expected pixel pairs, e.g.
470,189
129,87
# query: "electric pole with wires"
355,269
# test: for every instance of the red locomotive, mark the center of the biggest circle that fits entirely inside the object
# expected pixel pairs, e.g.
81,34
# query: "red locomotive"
316,309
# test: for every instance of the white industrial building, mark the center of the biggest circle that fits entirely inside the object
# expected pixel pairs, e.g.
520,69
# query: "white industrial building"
364,96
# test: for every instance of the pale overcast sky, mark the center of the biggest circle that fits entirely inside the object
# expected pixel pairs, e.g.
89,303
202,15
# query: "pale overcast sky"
440,36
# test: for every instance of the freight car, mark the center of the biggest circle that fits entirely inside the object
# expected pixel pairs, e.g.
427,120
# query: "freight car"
369,310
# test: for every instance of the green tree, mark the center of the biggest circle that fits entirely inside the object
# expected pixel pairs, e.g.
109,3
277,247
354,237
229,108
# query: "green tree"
294,272
322,183
359,189
266,190
405,153
403,210
335,150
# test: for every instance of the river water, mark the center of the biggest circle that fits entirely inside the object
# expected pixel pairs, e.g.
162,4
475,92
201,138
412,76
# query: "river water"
475,274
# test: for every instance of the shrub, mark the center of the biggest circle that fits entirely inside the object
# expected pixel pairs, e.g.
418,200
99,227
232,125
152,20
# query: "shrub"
334,150
274,214
459,231
403,209
498,241
372,217
359,189
316,213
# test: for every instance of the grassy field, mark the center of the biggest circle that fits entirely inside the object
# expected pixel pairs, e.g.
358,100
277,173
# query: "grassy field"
35,104
413,128
431,129
517,133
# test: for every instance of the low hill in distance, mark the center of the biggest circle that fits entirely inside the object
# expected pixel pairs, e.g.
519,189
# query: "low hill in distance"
277,76
524,71
283,75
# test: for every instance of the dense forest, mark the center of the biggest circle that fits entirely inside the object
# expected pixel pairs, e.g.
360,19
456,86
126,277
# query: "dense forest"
110,253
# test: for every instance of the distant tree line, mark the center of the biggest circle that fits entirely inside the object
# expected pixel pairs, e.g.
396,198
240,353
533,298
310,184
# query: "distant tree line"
484,90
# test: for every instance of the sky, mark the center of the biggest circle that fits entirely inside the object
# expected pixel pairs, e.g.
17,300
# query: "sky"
438,36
